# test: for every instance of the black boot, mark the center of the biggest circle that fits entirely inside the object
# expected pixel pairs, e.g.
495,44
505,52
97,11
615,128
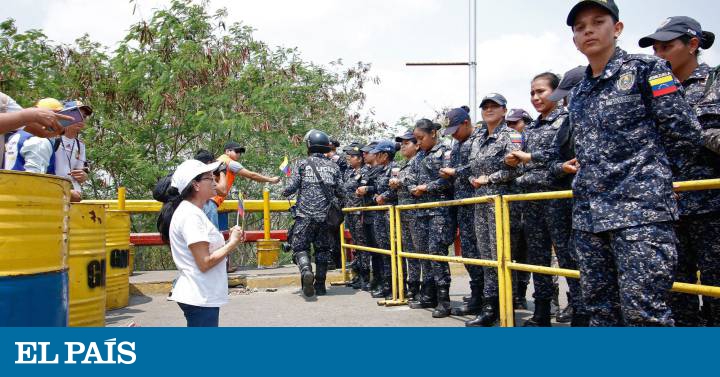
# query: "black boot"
383,290
476,302
428,297
489,315
320,277
541,316
444,307
307,279
519,299
412,291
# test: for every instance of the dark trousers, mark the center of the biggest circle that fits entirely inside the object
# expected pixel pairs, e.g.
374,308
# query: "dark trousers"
198,316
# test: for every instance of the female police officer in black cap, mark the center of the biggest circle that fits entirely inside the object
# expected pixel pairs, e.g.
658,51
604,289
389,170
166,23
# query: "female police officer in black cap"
624,204
679,40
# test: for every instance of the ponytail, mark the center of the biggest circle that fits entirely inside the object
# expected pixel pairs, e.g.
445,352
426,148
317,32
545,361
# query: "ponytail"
427,126
174,198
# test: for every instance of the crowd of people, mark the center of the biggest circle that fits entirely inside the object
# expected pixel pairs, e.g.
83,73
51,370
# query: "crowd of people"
618,132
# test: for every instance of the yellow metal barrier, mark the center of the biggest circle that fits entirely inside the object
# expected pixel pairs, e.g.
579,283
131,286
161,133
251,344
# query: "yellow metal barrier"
509,265
499,235
391,253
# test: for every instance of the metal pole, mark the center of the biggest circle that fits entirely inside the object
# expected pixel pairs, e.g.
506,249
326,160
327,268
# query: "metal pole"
121,198
473,60
266,213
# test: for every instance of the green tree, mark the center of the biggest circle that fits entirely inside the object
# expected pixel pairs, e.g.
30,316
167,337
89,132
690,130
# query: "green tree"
180,81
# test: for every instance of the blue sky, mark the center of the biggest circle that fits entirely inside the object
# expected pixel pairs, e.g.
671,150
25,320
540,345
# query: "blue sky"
516,39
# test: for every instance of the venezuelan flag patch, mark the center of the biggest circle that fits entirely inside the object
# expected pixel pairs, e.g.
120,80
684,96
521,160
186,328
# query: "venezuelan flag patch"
516,138
662,85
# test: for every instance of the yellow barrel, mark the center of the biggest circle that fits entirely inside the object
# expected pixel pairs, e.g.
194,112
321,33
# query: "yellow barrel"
33,249
131,268
86,247
268,252
117,259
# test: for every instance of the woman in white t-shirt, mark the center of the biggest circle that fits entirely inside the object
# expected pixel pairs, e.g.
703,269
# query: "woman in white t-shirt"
198,248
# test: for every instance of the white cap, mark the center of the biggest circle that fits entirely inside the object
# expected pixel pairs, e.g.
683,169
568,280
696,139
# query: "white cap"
188,170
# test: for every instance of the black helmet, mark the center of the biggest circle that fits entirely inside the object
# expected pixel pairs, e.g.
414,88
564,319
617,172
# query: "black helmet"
317,142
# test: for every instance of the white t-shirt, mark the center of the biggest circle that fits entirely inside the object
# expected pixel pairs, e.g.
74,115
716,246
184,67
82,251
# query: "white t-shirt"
189,225
69,156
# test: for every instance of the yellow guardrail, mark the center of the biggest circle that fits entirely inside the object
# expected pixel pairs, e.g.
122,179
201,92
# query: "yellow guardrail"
497,201
508,265
391,253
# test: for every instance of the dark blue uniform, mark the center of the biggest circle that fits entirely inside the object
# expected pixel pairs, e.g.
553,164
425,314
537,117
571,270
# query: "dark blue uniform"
407,178
312,205
624,204
699,227
548,223
434,230
353,221
460,161
382,224
368,177
488,158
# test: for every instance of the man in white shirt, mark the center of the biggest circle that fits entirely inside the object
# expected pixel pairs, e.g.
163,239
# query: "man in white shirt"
70,160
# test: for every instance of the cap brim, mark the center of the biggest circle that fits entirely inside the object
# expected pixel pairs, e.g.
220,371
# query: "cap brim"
660,36
493,101
450,130
211,167
579,6
558,95
400,139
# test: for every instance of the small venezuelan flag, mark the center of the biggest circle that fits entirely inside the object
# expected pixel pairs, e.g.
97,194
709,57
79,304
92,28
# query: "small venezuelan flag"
663,85
285,167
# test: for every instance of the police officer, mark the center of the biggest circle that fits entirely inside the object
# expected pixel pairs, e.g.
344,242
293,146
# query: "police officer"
679,40
547,223
624,204
518,120
311,211
491,176
433,227
369,175
461,128
353,220
406,177
334,233
383,195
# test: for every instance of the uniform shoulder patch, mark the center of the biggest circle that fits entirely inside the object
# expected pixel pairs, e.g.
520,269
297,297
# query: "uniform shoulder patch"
626,81
663,84
516,137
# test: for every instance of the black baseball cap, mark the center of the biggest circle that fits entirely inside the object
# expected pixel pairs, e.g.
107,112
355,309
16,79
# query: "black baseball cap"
608,5
569,80
408,135
235,146
518,114
354,149
369,147
456,118
676,27
494,97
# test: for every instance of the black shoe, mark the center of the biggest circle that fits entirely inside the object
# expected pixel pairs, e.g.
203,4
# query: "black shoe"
412,291
488,317
475,305
428,297
385,291
444,307
519,297
565,316
541,316
307,278
320,276
320,289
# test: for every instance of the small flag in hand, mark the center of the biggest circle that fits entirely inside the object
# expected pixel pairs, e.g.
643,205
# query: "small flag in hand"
285,167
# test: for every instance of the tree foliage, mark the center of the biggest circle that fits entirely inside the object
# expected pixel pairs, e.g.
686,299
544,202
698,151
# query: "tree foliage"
180,81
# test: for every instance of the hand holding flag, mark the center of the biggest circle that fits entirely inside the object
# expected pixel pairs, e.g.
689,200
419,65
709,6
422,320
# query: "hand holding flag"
240,221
